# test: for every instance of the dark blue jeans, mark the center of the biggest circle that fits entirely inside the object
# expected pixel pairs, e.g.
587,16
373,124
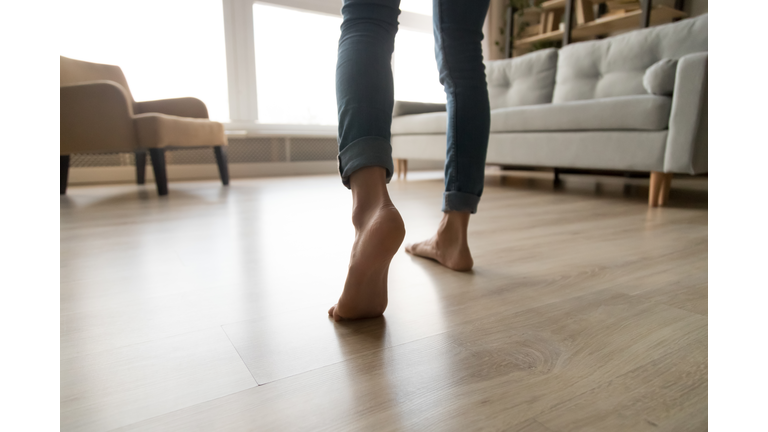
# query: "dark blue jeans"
365,91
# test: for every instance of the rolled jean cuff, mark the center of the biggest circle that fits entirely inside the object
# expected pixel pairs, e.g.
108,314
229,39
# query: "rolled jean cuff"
460,201
365,152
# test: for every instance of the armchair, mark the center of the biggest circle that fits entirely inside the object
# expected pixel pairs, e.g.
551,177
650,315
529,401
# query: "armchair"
99,115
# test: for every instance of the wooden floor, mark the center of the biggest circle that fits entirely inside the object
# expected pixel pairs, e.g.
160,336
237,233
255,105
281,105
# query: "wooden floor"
206,310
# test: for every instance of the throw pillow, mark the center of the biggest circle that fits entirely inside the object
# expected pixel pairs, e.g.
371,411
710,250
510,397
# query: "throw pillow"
659,79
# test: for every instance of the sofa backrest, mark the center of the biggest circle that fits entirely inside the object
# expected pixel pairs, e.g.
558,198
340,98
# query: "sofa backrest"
615,66
73,71
524,80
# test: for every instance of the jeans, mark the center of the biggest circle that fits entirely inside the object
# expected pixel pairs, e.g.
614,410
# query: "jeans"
365,92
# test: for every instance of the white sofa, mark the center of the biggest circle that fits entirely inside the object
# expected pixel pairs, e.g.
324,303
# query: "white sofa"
633,102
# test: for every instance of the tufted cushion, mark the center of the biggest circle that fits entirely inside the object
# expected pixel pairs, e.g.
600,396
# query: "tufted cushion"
659,79
524,80
616,66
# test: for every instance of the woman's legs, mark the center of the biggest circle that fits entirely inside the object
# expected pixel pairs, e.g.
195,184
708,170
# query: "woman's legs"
458,28
365,98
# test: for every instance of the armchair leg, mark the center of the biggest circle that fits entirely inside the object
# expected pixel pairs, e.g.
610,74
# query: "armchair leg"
405,169
221,161
158,166
141,166
63,173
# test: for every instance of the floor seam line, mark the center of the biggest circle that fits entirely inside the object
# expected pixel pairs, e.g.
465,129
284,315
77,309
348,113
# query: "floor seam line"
240,356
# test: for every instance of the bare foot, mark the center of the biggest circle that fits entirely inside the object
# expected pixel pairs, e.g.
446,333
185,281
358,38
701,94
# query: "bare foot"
379,232
449,246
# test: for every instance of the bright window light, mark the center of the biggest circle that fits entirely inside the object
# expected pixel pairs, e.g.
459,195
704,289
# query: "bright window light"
166,48
295,74
423,7
295,65
416,75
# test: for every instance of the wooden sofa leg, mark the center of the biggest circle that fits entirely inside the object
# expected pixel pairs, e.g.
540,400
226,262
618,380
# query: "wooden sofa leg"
653,194
141,166
664,191
221,161
63,173
659,190
158,166
405,168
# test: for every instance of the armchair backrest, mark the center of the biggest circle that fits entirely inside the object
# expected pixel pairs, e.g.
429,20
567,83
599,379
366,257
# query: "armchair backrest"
78,72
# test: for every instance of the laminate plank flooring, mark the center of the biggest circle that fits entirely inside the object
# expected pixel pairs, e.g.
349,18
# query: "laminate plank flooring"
206,310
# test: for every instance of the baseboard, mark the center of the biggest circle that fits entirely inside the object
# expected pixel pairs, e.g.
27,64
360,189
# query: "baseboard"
127,174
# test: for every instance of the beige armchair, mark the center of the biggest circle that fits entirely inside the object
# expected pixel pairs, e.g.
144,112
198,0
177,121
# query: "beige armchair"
99,115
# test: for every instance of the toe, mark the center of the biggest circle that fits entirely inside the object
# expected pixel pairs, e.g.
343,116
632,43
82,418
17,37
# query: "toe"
333,312
423,250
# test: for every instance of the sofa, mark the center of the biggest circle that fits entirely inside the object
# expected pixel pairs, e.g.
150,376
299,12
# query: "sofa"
635,102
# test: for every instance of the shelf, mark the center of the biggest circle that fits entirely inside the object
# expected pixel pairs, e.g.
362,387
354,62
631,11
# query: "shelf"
659,15
560,4
553,4
551,36
630,20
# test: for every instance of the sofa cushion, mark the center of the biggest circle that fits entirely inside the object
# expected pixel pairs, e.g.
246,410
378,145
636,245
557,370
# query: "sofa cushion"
646,112
524,80
659,79
429,123
615,66
162,130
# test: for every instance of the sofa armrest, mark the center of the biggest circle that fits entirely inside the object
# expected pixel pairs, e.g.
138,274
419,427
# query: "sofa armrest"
406,108
686,150
96,117
181,107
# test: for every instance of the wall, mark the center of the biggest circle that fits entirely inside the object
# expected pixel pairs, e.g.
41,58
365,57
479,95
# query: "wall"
696,7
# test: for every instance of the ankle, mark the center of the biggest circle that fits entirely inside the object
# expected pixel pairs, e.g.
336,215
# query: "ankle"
453,227
369,193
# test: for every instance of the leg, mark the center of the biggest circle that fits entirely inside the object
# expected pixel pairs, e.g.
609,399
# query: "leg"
657,179
364,86
365,98
221,161
141,166
63,173
458,32
405,168
158,166
458,28
664,191
398,169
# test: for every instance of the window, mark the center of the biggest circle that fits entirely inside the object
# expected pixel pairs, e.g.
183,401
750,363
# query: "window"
295,65
415,68
423,7
295,73
166,48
